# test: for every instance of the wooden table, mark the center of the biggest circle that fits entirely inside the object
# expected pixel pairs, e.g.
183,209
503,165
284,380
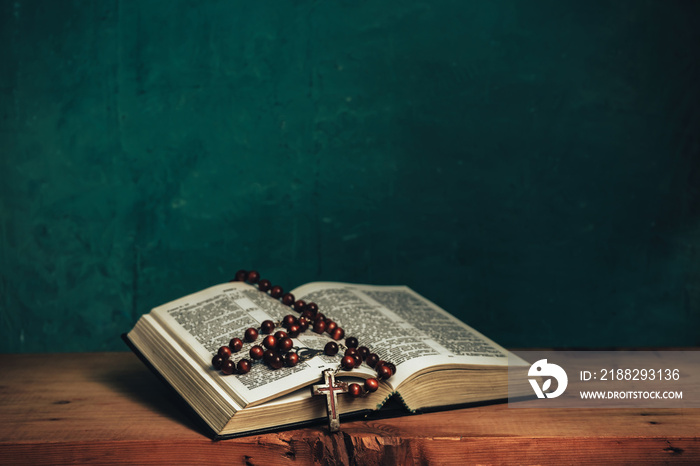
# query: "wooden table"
108,408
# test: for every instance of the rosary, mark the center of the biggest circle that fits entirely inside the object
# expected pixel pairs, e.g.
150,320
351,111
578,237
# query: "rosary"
277,350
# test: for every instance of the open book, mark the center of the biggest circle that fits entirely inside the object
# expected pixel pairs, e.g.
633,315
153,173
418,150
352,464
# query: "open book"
440,361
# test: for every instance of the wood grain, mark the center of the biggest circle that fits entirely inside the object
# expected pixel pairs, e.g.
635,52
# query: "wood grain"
107,408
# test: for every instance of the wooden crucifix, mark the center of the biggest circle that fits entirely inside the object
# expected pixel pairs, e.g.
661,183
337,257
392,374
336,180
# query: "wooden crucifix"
331,389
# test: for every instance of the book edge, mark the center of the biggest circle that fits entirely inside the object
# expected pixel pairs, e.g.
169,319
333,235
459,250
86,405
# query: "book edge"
201,426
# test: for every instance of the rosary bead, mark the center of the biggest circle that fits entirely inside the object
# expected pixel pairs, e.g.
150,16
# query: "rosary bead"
383,372
276,361
228,367
225,352
280,334
351,352
331,348
372,359
299,305
235,344
268,355
358,360
363,351
291,359
288,321
256,352
285,344
276,292
270,342
330,326
318,316
338,333
355,390
253,276
320,326
371,385
391,366
351,342
307,315
264,285
251,335
313,307
294,330
267,326
348,363
217,361
303,323
241,275
288,299
243,366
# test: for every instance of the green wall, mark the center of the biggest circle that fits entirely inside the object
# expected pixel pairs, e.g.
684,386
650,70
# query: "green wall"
533,167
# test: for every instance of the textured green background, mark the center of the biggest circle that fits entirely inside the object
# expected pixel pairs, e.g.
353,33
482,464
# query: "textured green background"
533,167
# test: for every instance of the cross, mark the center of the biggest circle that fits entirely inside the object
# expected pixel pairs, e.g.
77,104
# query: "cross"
331,389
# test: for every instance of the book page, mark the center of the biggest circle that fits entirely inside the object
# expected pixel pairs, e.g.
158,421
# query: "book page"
402,327
204,321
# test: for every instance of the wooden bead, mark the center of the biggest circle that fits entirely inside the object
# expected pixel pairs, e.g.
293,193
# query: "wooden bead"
241,275
253,276
280,334
276,361
355,390
303,323
350,352
320,326
383,372
244,366
371,385
289,320
313,307
348,363
331,348
256,352
228,367
225,352
268,355
294,330
251,335
338,333
235,344
307,315
351,342
276,291
299,305
267,326
372,359
330,326
270,342
363,351
358,360
391,366
318,316
217,361
291,359
288,299
285,344
264,285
